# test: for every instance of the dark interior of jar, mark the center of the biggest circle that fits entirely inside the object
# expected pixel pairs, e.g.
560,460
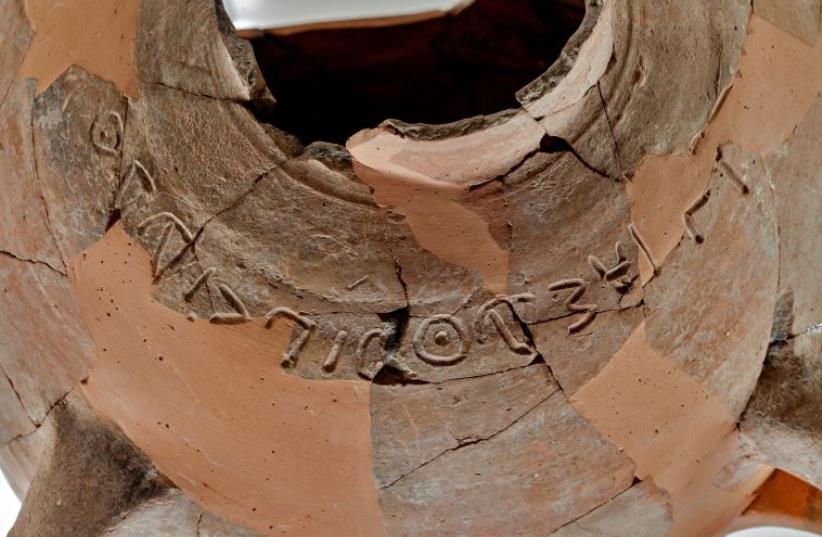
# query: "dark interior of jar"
331,83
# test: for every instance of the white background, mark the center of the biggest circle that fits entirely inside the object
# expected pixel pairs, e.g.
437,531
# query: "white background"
9,505
276,13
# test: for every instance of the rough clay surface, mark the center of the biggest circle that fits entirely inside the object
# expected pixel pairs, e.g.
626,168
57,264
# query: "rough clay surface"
712,306
788,399
93,481
597,313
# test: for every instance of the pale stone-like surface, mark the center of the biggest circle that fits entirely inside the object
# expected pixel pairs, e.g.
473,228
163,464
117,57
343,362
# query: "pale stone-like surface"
415,424
474,344
543,471
289,244
642,104
560,217
432,284
758,113
673,63
79,179
795,174
15,38
192,46
782,418
710,309
213,526
352,360
202,154
641,511
443,264
173,172
24,228
566,99
577,358
45,356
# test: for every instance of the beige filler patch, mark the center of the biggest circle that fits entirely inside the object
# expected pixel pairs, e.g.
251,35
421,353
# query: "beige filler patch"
441,224
777,80
210,405
425,180
98,35
678,434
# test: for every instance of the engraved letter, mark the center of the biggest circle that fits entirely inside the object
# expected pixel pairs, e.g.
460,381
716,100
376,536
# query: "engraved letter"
199,282
643,247
614,274
441,338
172,222
333,355
688,221
136,172
107,132
571,302
364,369
728,172
307,325
487,316
240,314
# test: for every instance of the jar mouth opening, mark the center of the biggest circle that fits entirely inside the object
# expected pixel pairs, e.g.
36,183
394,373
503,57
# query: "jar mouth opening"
472,66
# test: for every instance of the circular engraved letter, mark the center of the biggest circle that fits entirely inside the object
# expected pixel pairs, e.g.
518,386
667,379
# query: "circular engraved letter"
444,324
107,132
